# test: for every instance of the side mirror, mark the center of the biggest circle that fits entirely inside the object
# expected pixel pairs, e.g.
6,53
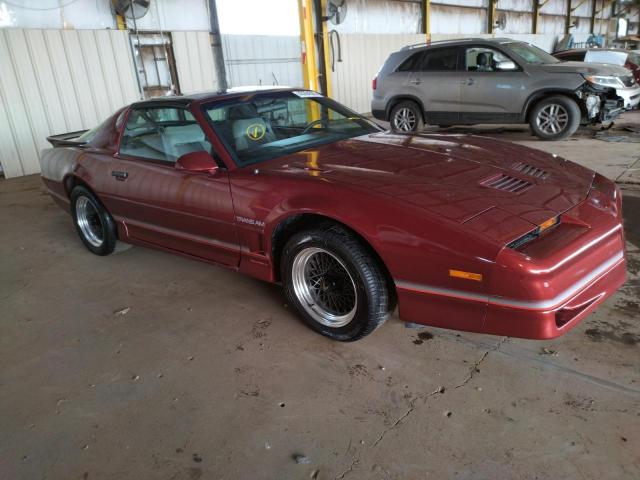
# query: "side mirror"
199,161
507,65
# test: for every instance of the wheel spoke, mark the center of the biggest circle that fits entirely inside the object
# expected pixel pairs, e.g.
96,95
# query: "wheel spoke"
324,287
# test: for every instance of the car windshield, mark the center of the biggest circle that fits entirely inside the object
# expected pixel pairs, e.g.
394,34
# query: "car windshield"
259,127
531,54
634,57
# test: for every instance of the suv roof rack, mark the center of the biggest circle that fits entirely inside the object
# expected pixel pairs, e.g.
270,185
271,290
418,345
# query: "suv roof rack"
457,40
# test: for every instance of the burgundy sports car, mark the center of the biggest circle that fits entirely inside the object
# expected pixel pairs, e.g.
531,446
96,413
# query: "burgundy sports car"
287,186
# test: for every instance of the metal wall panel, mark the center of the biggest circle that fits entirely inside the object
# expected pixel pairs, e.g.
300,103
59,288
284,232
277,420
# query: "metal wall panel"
262,60
382,16
363,56
194,61
56,81
448,19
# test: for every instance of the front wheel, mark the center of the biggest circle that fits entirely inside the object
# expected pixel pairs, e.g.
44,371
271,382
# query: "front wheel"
335,283
555,118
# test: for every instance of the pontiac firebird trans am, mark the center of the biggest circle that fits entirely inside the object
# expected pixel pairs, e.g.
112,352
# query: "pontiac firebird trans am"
287,186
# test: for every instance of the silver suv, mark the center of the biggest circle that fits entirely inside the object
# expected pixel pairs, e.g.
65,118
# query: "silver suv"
497,80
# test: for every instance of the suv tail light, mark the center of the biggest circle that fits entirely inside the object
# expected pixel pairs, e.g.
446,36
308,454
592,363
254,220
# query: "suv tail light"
374,83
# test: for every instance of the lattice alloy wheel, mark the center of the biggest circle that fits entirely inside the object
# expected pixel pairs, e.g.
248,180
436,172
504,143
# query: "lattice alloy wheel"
324,287
335,283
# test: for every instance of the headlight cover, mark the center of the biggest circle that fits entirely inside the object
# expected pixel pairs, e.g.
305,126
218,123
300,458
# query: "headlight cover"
604,80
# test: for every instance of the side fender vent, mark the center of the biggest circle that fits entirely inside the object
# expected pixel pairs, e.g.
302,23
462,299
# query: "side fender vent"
507,183
530,170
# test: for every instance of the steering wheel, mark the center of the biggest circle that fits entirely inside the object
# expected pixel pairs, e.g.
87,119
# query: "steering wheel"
314,123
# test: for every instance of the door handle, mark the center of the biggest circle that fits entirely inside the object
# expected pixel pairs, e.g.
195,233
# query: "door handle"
122,176
468,81
415,81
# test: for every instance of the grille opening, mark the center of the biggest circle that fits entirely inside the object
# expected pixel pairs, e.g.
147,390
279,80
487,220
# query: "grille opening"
507,183
530,170
565,315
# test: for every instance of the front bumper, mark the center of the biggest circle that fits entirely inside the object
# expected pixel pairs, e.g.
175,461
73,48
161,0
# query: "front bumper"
539,290
550,322
630,96
512,318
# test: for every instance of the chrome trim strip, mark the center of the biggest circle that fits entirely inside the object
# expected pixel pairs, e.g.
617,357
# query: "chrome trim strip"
557,301
177,234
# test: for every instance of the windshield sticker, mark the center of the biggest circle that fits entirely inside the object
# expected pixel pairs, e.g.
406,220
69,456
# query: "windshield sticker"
256,131
306,94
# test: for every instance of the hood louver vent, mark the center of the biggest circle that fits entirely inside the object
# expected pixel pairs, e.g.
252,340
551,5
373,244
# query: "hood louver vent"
530,170
507,183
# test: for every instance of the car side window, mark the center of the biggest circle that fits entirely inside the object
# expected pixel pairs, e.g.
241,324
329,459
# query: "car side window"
409,64
442,59
162,133
483,59
438,60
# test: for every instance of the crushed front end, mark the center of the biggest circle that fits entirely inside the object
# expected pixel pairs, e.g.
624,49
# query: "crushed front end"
599,104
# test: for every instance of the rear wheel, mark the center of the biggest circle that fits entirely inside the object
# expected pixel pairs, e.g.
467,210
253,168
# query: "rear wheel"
406,117
555,118
93,223
335,284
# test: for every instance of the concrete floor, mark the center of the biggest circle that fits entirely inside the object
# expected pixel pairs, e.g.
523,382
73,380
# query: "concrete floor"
147,365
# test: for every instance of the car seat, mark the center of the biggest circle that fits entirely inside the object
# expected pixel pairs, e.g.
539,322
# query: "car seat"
248,128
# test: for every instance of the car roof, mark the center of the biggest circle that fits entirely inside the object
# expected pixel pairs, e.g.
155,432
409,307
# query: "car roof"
203,97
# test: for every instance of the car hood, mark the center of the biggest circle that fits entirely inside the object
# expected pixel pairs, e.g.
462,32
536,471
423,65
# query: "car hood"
585,68
447,175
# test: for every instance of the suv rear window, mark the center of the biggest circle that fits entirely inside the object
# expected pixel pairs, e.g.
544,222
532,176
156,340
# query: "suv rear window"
438,60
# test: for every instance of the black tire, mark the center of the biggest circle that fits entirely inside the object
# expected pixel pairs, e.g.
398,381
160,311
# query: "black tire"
365,279
567,118
412,115
94,225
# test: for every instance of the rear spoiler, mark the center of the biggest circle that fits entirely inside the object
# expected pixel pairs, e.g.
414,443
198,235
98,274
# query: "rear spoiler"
66,139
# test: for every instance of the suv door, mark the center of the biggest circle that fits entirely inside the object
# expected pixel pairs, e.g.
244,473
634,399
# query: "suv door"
491,93
434,77
188,212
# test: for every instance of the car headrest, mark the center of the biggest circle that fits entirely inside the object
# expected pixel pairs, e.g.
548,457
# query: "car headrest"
484,59
250,132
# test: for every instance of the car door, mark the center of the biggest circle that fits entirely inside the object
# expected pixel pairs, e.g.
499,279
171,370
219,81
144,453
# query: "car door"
434,77
493,89
188,212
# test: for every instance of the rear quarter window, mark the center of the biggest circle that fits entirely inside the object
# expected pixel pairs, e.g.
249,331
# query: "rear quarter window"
436,60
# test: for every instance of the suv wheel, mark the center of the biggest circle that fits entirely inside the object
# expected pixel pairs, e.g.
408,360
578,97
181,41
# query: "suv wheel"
555,118
406,117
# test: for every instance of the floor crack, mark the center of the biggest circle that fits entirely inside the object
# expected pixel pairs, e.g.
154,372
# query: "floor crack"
475,369
412,407
351,467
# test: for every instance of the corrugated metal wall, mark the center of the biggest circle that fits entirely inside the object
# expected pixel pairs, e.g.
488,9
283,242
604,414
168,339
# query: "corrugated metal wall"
57,81
262,60
362,56
194,61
